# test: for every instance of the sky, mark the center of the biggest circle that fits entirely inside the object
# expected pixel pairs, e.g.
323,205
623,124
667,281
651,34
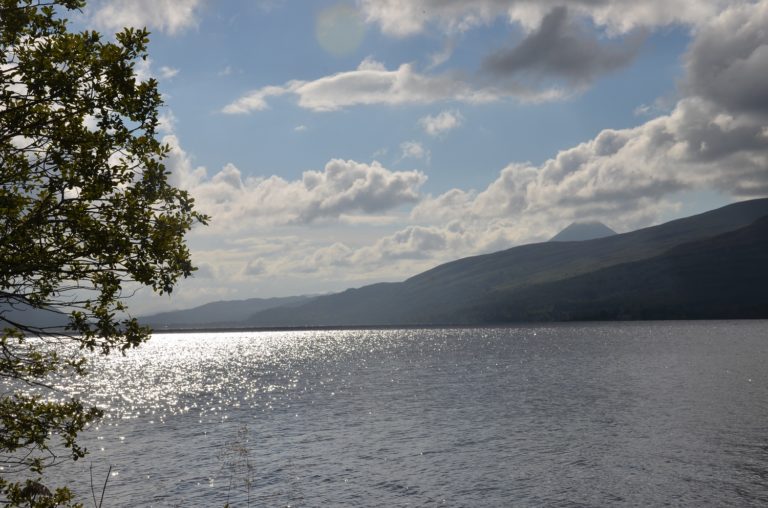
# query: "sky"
340,143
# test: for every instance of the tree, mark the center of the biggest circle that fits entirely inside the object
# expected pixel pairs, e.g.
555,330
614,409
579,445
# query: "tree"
86,216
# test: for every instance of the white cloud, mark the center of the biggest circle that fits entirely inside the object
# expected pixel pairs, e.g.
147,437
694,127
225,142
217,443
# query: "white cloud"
255,100
168,72
442,122
342,188
371,83
414,150
167,122
143,69
300,128
621,174
170,16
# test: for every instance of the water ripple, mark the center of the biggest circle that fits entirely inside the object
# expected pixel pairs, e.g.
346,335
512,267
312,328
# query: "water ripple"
583,415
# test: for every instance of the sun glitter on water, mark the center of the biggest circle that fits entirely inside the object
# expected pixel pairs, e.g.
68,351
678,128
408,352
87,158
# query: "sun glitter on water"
339,29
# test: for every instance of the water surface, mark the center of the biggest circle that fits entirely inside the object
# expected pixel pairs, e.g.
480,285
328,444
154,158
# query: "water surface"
632,414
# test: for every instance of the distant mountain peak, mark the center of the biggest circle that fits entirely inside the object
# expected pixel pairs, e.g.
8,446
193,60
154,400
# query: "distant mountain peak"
579,231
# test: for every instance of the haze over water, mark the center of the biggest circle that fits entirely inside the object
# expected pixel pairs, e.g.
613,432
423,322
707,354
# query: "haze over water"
565,415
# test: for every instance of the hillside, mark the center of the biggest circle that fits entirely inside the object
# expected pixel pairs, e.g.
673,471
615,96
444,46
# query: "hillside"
721,277
453,292
218,314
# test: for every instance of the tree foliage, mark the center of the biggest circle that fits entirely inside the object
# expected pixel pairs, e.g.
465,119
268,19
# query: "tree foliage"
86,216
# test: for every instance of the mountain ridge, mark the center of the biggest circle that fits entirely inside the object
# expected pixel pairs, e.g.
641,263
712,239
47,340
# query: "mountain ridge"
222,313
678,284
440,295
710,265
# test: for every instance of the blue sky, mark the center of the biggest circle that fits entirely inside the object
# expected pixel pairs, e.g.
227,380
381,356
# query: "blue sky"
342,143
230,53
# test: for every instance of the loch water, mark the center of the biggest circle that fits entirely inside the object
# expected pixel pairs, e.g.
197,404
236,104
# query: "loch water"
595,414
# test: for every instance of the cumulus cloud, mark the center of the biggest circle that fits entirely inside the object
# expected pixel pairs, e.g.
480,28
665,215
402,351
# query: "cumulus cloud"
442,122
562,48
627,178
341,188
727,62
621,173
372,83
170,16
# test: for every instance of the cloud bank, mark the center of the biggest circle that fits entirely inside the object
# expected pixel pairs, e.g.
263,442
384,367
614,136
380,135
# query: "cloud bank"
342,188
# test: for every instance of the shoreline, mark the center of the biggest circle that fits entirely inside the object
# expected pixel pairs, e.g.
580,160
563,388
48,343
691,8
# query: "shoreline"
522,324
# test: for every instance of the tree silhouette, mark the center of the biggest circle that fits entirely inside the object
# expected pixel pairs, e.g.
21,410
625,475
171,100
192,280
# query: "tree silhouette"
86,216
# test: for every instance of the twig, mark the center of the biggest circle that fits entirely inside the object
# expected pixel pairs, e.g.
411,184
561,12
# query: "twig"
104,489
93,492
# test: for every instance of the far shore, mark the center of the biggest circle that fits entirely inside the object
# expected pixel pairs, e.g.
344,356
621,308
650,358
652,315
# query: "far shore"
526,324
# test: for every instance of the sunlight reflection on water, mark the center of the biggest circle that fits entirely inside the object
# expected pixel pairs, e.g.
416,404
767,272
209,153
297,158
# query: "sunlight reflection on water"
179,372
584,414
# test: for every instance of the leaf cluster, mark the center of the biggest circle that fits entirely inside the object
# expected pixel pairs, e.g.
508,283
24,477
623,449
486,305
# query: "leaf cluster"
87,214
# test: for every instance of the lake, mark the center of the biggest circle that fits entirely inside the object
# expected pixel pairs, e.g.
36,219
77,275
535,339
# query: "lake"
620,414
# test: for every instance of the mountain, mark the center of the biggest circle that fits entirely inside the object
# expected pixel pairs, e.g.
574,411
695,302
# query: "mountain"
721,277
23,315
580,231
495,287
219,314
